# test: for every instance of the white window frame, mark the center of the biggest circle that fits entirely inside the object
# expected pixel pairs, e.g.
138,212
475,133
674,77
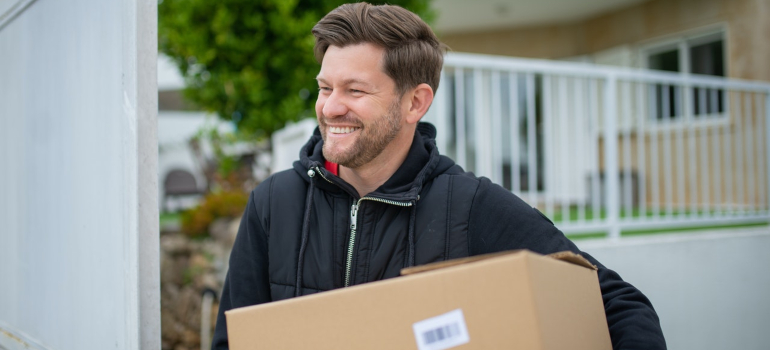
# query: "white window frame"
682,42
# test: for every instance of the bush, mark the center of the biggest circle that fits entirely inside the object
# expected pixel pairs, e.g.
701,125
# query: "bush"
222,204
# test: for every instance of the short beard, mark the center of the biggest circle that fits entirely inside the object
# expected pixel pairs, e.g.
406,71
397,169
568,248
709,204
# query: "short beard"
373,140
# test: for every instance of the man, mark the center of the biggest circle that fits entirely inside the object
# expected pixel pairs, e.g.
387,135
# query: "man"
370,193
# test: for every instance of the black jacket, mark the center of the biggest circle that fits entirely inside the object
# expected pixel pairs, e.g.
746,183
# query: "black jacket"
295,236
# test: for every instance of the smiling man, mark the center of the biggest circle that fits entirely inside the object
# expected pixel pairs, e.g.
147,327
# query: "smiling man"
370,193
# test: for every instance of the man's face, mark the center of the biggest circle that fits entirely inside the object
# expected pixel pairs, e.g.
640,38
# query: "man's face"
358,111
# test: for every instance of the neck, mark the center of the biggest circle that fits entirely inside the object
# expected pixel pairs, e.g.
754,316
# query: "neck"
370,176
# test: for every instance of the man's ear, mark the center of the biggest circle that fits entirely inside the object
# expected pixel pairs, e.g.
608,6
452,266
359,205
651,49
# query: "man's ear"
419,100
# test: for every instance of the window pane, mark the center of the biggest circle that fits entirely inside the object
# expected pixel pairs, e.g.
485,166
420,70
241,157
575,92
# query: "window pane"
708,59
665,95
668,61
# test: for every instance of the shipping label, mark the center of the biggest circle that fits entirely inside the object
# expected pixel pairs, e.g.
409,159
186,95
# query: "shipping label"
441,332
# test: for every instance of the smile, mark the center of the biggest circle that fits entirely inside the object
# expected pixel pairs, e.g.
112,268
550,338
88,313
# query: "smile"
342,129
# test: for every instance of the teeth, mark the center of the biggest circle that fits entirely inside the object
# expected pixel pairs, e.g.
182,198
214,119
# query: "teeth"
341,130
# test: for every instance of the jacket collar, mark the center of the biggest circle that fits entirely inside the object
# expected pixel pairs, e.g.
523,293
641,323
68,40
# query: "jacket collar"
404,185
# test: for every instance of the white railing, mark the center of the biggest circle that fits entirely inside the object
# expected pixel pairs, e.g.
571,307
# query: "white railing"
604,149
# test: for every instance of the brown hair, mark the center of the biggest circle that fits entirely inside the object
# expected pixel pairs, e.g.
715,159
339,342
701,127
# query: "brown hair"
413,54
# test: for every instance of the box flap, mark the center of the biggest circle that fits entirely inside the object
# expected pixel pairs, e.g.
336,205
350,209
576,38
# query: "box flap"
573,258
566,256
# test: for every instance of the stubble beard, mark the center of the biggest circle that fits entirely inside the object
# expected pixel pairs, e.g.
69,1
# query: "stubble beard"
371,142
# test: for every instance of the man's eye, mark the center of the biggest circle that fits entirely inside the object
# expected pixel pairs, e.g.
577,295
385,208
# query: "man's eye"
324,89
356,91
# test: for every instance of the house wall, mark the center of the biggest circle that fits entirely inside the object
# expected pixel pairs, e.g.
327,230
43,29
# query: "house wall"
550,42
634,27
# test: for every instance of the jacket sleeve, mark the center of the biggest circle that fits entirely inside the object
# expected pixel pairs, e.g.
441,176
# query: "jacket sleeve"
632,321
247,277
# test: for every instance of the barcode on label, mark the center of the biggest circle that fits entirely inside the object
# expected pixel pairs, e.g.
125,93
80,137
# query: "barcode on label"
441,332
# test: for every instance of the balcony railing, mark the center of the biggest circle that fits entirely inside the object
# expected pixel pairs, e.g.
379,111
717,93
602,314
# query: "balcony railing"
604,149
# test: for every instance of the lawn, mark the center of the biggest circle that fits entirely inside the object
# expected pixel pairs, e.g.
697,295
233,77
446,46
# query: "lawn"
588,214
574,213
169,219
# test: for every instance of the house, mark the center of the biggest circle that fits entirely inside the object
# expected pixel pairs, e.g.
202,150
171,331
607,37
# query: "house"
181,174
600,140
715,37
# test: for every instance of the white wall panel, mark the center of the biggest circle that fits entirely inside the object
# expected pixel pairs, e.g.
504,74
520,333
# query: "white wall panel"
710,289
78,186
288,141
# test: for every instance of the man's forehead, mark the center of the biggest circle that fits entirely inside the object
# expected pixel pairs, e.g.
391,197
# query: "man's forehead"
352,64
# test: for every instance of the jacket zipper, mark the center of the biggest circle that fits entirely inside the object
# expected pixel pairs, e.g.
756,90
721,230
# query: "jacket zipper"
354,220
353,225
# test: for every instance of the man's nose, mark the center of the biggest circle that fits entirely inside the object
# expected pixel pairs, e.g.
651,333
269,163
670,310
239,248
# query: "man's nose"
334,106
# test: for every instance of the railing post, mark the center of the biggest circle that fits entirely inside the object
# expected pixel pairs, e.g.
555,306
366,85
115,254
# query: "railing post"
482,124
442,116
460,145
767,151
611,173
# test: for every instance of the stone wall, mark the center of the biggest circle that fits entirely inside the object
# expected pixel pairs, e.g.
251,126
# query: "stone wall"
190,268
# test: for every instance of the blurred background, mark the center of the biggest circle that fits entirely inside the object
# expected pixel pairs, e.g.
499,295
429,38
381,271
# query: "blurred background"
640,127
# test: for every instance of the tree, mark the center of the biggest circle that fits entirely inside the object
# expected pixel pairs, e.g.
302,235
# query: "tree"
249,61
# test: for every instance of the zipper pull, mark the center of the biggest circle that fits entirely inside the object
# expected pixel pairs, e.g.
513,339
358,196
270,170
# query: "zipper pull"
353,214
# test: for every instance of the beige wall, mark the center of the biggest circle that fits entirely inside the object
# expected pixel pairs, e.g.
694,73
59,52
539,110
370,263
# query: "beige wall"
541,42
748,33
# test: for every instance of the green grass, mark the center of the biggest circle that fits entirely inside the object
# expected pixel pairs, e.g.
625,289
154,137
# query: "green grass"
657,231
592,235
558,218
169,219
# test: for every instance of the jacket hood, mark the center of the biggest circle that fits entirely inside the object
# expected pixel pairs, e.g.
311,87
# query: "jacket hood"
422,164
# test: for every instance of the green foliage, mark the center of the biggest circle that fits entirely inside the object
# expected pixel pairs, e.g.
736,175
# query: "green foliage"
221,204
226,163
250,61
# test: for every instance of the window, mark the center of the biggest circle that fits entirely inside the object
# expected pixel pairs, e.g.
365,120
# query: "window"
702,54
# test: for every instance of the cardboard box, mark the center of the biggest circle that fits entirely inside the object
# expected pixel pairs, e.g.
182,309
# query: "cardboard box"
518,300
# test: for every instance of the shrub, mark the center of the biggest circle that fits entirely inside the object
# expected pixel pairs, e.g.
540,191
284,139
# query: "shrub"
222,204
